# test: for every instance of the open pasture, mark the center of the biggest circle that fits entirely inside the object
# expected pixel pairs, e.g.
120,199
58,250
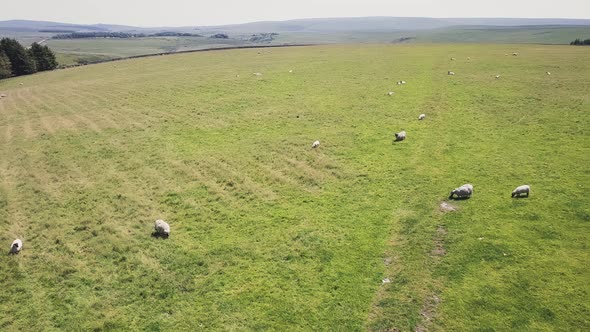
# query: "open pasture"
270,234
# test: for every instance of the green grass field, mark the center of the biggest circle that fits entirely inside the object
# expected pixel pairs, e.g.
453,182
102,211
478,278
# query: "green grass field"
268,234
73,50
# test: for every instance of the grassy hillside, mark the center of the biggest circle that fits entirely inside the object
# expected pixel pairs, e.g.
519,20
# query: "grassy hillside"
268,234
73,50
525,35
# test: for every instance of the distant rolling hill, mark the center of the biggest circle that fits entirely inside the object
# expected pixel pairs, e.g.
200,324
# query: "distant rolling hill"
323,25
319,25
300,31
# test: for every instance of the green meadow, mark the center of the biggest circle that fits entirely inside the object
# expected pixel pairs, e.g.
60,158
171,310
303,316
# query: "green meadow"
269,234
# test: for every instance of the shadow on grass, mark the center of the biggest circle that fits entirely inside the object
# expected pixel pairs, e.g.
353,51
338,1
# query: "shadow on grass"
519,197
458,198
159,235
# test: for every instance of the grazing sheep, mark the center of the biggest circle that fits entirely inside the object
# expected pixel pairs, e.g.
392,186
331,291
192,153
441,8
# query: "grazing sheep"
421,117
452,59
16,247
315,144
497,76
257,74
465,191
451,72
403,82
514,54
524,189
390,93
291,70
400,136
548,73
162,228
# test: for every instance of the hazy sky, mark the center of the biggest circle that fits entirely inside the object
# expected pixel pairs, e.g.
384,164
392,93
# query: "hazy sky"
211,12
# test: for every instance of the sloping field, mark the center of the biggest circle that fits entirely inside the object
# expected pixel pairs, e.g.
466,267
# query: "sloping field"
268,234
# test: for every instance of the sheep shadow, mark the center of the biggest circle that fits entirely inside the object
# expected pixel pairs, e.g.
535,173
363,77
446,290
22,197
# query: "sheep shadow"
458,198
520,197
157,235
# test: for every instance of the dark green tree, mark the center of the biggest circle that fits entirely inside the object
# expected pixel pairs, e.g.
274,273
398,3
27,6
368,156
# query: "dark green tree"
22,63
43,56
5,66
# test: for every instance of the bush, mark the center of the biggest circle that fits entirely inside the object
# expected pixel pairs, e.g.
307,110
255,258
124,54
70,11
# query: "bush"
5,66
15,60
579,42
21,62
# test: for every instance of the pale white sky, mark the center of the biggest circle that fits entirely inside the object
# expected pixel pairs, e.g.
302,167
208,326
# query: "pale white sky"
213,12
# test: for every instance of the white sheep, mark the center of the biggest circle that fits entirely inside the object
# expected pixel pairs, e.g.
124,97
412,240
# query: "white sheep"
421,117
315,144
497,76
291,70
524,189
390,93
514,54
452,59
465,191
548,73
400,136
162,228
257,74
451,72
403,82
16,246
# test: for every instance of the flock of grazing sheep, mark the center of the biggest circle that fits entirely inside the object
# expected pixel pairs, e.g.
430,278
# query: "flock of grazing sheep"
162,228
466,190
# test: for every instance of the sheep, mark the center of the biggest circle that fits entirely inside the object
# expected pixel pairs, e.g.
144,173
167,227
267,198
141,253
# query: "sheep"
548,73
16,246
390,93
514,54
401,82
497,76
421,117
400,136
315,144
161,229
452,59
451,72
291,70
465,191
257,74
524,189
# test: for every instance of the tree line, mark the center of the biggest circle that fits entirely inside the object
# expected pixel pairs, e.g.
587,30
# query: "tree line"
122,35
15,60
578,41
